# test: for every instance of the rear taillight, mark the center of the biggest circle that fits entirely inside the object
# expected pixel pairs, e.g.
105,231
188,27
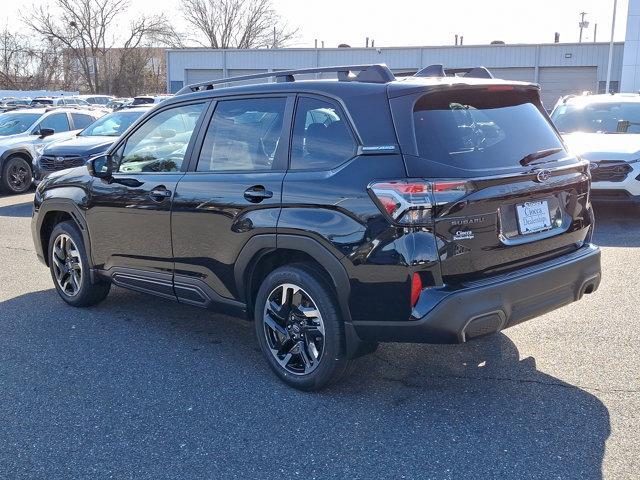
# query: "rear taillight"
411,202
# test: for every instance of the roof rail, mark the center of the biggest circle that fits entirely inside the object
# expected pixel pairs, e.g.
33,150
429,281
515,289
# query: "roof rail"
438,70
374,73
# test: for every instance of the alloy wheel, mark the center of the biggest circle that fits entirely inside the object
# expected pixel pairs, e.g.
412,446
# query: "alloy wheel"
294,329
19,175
67,265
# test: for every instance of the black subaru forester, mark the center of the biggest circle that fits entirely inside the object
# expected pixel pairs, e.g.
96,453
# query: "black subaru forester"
335,214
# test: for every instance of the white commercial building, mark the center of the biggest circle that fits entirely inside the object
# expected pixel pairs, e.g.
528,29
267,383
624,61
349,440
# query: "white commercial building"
559,68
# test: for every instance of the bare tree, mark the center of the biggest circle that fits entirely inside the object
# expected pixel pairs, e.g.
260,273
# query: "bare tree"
237,23
14,51
25,64
90,31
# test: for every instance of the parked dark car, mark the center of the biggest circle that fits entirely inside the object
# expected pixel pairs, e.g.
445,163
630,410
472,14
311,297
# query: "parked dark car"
335,214
93,140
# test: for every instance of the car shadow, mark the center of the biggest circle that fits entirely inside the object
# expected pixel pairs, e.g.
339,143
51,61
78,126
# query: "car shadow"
23,210
181,383
617,226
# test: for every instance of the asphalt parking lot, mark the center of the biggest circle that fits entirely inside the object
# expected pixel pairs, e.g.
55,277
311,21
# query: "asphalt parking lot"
140,387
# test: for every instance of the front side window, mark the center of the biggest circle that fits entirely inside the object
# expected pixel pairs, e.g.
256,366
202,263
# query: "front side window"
58,122
243,135
321,137
605,117
160,144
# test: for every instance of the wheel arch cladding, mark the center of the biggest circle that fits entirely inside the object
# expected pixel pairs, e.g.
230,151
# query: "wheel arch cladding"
260,256
53,213
17,152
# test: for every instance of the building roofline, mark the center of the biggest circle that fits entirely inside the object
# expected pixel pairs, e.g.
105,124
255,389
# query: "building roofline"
407,47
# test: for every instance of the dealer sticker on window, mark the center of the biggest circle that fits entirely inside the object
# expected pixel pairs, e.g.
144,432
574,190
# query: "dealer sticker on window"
533,217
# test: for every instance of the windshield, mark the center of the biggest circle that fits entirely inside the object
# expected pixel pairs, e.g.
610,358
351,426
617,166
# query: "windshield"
477,130
41,101
14,123
111,125
608,117
142,100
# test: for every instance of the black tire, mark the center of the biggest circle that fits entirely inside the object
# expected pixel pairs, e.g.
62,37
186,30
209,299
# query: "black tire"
332,359
87,294
17,176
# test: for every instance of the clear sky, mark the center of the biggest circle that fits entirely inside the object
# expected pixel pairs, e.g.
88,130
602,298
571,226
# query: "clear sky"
420,22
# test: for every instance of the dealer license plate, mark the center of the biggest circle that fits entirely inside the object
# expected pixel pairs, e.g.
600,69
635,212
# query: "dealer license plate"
533,217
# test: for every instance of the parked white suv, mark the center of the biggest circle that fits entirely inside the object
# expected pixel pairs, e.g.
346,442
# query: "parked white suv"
23,135
605,129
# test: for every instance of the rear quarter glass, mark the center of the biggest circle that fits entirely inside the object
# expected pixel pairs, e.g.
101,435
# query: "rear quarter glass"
476,132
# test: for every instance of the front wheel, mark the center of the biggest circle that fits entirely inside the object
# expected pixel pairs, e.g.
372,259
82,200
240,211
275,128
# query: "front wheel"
16,175
299,329
69,265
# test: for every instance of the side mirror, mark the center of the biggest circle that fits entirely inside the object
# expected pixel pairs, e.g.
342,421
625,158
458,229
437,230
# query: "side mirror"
100,166
45,132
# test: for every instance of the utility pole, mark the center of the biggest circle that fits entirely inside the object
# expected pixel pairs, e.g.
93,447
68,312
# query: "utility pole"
595,32
583,24
613,27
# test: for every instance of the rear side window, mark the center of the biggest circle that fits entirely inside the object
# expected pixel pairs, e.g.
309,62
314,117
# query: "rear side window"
243,135
480,129
81,121
321,137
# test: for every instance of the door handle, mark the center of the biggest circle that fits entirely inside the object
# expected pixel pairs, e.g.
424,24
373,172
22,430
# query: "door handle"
158,194
257,193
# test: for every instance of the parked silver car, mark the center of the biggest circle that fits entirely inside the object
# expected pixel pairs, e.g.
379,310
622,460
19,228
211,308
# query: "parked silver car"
24,134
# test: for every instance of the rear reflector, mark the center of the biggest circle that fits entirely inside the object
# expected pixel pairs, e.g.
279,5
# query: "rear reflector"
416,288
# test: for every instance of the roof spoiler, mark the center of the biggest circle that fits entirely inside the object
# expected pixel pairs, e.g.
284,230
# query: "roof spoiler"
438,70
374,73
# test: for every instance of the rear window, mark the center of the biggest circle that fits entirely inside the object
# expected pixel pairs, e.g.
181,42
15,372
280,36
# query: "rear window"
479,129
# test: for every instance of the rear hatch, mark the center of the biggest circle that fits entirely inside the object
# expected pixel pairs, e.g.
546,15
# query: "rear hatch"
505,192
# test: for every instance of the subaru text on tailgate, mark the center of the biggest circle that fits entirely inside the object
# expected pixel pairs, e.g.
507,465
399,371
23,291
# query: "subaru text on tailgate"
334,214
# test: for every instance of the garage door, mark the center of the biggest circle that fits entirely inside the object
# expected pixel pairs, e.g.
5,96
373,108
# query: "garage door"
559,81
202,75
239,73
516,73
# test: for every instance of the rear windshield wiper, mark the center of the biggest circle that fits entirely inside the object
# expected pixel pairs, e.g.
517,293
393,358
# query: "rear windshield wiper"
539,154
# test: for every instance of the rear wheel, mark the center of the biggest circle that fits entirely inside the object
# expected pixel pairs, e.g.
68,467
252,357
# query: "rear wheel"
299,329
69,267
16,175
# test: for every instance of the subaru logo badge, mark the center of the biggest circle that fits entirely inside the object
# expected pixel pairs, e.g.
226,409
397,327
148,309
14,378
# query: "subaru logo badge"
543,176
593,166
59,160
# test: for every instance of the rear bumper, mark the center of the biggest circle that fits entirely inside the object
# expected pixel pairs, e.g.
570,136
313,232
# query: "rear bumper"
491,305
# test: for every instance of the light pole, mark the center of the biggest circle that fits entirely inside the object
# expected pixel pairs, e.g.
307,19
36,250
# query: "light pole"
613,26
583,24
